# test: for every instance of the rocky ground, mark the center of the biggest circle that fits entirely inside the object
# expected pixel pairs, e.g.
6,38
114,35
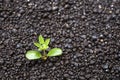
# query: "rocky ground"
88,31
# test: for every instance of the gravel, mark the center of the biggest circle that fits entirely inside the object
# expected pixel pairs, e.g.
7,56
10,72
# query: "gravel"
88,31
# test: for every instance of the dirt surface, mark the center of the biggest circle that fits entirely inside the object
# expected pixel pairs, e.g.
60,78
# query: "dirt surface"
88,31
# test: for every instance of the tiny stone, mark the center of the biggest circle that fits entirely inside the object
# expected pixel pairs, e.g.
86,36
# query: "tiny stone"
110,35
67,25
52,40
54,8
101,35
43,74
82,16
74,56
92,61
82,78
54,68
69,40
111,5
100,6
66,75
83,36
30,4
2,19
106,70
1,61
6,41
50,64
68,46
101,40
87,76
118,68
70,72
4,67
14,30
94,37
58,13
67,6
2,46
18,15
118,55
75,64
79,54
105,66
31,30
18,64
110,11
18,45
93,79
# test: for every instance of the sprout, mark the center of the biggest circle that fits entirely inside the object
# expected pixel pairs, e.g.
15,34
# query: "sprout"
42,47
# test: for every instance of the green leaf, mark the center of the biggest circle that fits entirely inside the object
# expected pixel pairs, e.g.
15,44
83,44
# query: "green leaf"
47,41
32,54
37,44
55,52
41,39
43,47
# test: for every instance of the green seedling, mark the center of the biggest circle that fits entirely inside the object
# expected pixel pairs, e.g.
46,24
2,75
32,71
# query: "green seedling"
42,46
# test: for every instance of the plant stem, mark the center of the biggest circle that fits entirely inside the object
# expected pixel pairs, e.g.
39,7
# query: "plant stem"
44,55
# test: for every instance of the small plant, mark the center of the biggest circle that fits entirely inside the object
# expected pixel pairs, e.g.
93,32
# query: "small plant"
42,47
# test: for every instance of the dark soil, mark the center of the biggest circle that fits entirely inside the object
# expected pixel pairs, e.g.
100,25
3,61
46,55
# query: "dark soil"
88,31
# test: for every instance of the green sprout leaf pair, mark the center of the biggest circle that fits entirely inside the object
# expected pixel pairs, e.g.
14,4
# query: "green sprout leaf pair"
42,46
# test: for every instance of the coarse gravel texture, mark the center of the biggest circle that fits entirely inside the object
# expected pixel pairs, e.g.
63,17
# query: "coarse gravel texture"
88,31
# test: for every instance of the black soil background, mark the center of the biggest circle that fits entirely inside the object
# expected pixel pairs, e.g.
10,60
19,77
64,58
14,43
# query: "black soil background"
88,31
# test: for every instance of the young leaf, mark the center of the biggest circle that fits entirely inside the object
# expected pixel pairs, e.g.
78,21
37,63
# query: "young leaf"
55,52
43,47
47,41
37,44
32,54
41,39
